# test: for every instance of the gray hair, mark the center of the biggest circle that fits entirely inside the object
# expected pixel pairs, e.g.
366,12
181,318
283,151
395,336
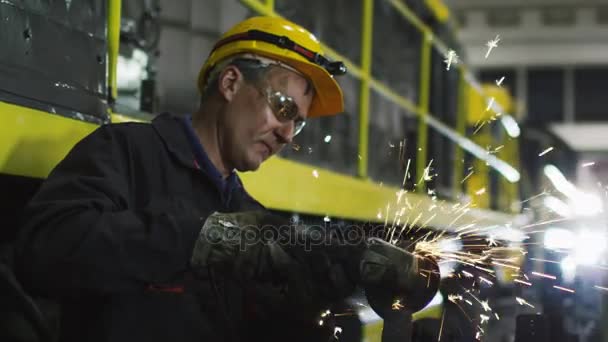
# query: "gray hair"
253,69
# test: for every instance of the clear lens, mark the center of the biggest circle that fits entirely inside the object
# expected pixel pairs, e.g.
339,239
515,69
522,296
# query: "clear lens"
285,109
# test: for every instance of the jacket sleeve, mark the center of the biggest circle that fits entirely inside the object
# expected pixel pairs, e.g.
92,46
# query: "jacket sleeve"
80,232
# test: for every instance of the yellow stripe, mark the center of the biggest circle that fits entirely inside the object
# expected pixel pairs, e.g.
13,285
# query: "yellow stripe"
461,122
32,142
439,9
286,185
118,118
113,44
424,91
366,60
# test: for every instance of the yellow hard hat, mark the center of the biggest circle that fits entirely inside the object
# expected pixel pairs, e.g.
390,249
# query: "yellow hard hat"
289,43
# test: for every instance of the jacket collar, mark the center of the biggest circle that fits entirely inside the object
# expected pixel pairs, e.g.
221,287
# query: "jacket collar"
176,135
171,131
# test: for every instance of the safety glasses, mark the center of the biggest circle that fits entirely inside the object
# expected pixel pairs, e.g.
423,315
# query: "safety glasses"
284,108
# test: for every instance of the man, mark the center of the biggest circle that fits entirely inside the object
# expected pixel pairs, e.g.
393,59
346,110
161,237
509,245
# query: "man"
115,231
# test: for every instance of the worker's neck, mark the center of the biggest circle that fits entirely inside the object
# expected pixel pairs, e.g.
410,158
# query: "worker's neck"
206,128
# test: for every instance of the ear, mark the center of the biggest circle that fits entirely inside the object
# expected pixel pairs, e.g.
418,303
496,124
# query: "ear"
229,82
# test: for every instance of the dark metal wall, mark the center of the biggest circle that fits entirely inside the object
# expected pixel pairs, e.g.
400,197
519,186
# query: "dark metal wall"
53,55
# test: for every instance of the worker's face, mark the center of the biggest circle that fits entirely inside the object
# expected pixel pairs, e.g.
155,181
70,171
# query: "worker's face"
250,131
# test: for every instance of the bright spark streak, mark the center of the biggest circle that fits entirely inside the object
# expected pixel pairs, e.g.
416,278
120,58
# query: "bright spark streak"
397,305
467,177
480,191
425,175
320,322
479,127
588,164
484,269
548,276
498,148
533,197
491,44
499,82
315,173
485,305
467,274
429,220
545,151
326,219
407,168
505,265
484,318
522,302
400,194
490,103
485,280
601,288
450,57
491,241
543,223
337,330
522,282
544,260
468,302
441,326
563,289
453,298
327,138
496,315
457,217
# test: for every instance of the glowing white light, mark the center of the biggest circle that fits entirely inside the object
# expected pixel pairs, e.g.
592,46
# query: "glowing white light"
587,204
559,238
559,181
581,203
568,266
448,246
508,233
590,246
131,70
557,206
327,138
510,125
315,173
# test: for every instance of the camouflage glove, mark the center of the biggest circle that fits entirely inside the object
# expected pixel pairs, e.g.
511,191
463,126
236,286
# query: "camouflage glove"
235,245
283,264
